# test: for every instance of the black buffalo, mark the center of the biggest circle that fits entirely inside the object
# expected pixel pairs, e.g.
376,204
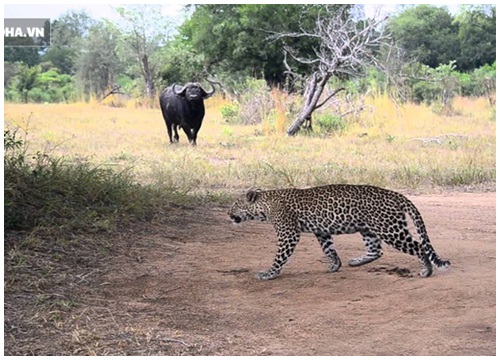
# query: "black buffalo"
184,108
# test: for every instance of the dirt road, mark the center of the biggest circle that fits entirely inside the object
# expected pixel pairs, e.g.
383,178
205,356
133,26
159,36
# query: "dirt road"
189,288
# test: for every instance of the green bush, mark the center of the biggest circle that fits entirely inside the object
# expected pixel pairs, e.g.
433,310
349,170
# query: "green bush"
229,112
426,92
29,84
12,95
466,84
38,95
330,123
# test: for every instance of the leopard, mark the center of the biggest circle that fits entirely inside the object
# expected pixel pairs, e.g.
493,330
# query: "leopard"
378,214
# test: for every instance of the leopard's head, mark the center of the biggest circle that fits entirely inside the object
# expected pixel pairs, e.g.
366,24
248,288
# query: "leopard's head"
249,207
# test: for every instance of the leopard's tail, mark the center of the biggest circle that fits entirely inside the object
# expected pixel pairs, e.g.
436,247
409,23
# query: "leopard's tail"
429,251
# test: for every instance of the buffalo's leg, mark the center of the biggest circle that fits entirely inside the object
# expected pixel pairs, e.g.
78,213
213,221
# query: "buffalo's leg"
189,134
195,133
176,134
169,130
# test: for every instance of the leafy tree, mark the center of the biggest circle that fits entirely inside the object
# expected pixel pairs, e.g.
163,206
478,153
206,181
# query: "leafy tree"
98,65
27,55
483,82
181,63
62,57
9,71
67,38
439,84
234,38
428,34
53,87
476,36
26,80
145,31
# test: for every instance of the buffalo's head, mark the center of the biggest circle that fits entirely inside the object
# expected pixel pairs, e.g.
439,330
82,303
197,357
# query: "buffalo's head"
193,91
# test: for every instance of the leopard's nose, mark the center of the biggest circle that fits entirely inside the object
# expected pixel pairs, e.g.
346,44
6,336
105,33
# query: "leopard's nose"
236,219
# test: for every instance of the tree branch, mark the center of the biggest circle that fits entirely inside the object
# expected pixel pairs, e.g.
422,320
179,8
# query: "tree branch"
329,97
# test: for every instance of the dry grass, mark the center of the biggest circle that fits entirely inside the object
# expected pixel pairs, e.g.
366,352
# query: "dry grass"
400,147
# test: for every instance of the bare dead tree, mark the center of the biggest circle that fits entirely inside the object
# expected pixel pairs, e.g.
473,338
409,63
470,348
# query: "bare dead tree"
346,46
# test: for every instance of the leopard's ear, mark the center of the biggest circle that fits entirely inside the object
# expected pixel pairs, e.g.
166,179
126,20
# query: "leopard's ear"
253,195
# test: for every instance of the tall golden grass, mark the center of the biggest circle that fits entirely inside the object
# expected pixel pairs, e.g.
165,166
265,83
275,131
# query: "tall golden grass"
396,146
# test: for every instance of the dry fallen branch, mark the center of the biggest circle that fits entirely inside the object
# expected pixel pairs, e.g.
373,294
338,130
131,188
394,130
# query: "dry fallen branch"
173,340
439,139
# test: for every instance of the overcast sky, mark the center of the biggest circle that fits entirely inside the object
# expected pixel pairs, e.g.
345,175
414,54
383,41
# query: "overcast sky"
55,11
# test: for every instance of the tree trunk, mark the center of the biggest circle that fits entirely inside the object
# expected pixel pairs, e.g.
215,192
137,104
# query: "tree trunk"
313,93
148,80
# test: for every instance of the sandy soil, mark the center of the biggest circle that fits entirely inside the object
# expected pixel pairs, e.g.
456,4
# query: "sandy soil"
189,288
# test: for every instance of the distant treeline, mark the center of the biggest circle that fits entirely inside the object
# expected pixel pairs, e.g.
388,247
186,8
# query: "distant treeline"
433,52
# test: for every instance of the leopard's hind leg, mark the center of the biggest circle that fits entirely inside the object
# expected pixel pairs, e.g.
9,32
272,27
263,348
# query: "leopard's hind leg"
373,249
403,241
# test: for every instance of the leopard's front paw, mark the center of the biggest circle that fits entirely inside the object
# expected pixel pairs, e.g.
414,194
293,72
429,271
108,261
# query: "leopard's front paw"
267,275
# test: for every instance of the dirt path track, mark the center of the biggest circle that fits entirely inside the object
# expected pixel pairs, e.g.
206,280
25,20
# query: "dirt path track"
195,289
188,287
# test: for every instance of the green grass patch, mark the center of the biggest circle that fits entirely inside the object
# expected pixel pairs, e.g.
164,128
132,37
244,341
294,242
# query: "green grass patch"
61,196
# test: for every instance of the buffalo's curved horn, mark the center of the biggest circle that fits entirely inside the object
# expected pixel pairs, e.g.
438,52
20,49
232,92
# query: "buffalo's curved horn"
210,93
181,91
